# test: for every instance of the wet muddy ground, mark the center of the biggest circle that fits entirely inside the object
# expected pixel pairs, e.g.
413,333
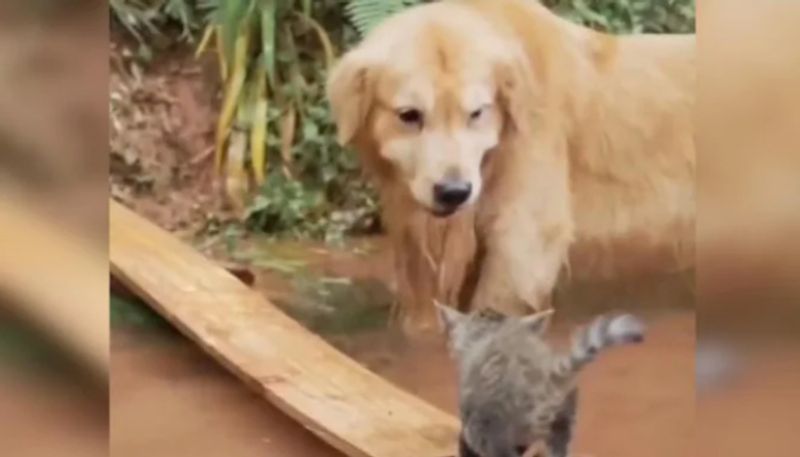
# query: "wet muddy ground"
169,399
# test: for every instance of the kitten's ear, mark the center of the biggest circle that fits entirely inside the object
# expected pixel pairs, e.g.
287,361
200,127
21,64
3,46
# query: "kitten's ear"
449,317
538,322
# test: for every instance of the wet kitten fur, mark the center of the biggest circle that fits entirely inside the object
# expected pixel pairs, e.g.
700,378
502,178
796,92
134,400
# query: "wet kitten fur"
514,389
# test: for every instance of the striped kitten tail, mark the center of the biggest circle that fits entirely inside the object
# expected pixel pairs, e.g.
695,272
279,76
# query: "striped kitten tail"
602,333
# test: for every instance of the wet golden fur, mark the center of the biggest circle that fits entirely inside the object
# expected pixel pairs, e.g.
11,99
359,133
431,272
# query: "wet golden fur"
590,138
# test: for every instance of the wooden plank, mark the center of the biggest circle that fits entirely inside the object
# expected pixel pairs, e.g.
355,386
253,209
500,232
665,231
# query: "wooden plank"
351,408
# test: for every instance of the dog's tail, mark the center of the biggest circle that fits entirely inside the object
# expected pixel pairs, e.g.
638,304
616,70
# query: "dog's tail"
602,333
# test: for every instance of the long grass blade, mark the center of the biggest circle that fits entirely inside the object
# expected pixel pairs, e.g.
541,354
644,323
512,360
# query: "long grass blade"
128,17
258,129
236,178
288,128
208,34
232,14
233,89
268,37
324,38
222,58
295,75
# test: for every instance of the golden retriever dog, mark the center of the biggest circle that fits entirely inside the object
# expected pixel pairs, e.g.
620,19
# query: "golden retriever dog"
502,137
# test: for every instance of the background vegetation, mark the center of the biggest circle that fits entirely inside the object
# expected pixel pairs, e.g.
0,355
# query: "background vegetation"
275,141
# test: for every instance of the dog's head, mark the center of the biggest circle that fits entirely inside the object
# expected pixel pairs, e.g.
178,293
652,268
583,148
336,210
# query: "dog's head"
430,93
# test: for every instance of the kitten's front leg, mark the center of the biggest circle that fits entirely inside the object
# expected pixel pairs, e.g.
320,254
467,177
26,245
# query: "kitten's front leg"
561,430
463,448
537,450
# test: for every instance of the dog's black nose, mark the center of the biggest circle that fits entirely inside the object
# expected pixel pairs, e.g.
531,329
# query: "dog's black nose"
450,194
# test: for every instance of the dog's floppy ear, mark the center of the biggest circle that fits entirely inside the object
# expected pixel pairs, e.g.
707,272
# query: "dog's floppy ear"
350,93
516,87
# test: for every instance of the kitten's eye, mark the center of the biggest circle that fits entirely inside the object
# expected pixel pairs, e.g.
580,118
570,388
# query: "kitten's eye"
410,116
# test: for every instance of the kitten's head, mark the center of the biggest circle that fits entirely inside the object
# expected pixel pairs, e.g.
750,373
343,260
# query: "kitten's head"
466,329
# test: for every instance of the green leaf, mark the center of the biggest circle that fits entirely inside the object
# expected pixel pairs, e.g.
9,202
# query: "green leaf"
310,131
268,36
232,13
366,14
258,125
295,75
591,15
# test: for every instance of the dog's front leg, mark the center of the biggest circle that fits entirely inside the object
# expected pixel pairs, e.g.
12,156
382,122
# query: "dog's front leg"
520,269
525,227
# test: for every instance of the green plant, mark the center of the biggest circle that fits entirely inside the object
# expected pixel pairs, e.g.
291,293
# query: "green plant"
625,16
260,46
275,134
366,14
146,18
129,312
283,205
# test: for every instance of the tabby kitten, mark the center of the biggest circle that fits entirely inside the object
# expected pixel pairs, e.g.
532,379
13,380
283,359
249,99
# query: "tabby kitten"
514,390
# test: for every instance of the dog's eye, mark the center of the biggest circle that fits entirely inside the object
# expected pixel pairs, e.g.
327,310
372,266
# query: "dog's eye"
410,116
475,115
478,113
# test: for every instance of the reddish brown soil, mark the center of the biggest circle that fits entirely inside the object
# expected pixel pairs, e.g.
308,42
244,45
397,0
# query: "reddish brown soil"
635,401
161,135
169,399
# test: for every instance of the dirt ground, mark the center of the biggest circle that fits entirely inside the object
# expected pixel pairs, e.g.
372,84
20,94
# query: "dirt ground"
162,118
170,400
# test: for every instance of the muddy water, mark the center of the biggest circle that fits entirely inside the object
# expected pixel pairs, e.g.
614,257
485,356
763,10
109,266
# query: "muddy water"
170,400
635,401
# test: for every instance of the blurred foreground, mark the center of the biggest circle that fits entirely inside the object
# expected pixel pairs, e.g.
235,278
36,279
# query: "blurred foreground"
53,273
748,265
